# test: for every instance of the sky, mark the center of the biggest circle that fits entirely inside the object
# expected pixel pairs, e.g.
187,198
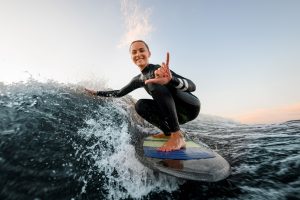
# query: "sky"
243,56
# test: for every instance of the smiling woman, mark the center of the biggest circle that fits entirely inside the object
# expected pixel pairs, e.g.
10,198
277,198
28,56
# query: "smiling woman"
172,102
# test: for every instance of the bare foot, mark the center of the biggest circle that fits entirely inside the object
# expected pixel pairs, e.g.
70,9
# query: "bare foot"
175,142
160,135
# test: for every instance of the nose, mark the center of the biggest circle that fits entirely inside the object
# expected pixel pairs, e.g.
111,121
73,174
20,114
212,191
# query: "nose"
138,54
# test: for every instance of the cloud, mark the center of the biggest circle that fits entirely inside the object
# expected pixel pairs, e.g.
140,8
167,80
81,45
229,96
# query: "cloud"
272,115
136,20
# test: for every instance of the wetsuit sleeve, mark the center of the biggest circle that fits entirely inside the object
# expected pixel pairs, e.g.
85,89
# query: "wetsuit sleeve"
182,83
135,83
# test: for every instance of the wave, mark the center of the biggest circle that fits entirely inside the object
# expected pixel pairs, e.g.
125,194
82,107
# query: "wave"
58,143
55,132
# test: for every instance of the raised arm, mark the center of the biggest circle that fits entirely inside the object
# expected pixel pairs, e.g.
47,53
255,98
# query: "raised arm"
165,76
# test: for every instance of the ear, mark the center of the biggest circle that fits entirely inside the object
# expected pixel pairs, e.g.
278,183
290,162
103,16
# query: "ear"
149,54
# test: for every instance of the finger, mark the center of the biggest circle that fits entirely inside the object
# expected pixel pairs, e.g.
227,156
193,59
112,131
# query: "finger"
157,74
164,67
160,72
163,70
167,59
92,92
153,80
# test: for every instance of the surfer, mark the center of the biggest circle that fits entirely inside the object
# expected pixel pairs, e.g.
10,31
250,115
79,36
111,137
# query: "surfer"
172,102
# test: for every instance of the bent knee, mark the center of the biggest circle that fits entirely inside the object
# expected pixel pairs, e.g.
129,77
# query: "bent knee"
138,106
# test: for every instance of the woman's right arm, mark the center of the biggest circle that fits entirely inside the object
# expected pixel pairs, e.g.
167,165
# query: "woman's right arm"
135,83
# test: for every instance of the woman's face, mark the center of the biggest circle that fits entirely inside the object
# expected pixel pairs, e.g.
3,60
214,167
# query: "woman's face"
140,54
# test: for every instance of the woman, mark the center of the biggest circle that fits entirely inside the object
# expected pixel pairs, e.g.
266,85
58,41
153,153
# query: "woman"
172,102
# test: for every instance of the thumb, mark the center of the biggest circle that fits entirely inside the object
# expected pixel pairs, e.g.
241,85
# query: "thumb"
153,80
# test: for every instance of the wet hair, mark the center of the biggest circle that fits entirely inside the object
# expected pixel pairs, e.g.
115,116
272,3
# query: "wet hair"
139,41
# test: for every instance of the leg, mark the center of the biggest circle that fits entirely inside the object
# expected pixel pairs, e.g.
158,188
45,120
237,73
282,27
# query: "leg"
149,110
187,106
166,104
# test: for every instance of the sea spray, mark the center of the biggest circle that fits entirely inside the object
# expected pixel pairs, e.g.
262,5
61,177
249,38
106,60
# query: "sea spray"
115,156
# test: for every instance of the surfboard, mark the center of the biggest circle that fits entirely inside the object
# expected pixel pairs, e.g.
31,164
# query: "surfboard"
195,162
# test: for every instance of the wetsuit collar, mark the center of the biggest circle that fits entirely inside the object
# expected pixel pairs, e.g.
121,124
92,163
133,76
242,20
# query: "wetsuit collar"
146,69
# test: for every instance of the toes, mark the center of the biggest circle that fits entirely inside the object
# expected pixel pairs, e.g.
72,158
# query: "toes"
163,148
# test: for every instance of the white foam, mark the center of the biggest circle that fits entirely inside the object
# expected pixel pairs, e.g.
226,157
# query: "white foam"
125,176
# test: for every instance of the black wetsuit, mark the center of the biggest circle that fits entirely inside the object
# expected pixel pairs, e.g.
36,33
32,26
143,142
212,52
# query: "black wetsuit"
172,104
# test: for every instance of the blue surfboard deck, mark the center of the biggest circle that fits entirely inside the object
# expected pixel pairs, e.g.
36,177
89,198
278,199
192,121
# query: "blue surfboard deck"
192,150
197,162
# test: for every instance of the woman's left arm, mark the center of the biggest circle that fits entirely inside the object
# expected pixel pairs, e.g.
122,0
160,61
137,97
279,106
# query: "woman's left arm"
182,83
164,76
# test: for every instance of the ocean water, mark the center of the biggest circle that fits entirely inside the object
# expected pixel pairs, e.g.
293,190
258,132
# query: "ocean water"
58,143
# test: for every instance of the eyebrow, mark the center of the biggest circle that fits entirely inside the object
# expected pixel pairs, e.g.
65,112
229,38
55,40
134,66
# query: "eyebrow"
142,48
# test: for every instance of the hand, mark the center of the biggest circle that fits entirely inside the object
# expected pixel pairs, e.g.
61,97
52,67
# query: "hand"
162,75
90,92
